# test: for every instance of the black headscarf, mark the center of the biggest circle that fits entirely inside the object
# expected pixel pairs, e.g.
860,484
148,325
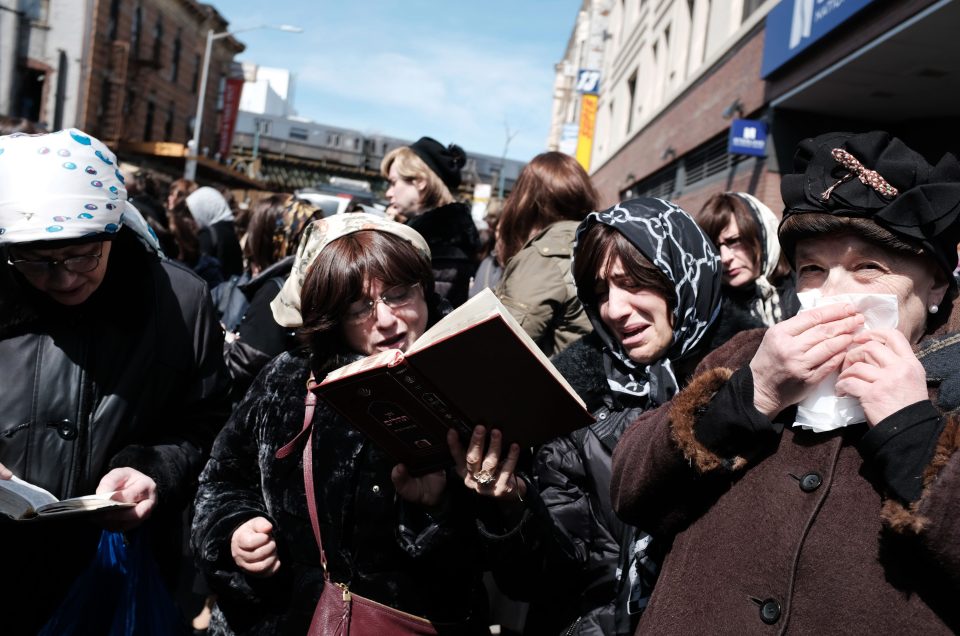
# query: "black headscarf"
670,239
875,176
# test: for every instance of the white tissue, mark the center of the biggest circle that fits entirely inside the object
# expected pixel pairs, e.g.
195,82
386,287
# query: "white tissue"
822,410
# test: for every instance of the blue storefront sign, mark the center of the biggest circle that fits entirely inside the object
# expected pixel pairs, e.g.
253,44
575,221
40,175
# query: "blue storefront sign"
748,137
588,81
793,25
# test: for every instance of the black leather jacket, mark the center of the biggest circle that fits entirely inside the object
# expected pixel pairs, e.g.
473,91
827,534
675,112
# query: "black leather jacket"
567,553
132,377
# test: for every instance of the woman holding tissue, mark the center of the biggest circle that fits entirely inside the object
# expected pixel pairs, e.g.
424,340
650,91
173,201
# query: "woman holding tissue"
360,284
852,527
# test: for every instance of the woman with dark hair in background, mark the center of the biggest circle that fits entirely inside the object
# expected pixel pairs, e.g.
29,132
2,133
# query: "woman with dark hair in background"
253,335
178,192
423,178
649,281
360,284
758,286
535,243
185,231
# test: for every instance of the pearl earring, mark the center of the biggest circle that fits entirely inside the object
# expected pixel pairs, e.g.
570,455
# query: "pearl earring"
934,309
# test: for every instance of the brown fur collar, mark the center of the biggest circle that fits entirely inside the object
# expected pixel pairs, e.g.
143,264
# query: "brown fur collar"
687,406
907,519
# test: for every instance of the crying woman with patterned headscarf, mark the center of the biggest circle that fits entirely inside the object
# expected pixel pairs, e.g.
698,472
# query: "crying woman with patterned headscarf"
649,281
253,336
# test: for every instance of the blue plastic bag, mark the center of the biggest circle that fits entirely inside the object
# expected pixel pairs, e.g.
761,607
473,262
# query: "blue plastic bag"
119,594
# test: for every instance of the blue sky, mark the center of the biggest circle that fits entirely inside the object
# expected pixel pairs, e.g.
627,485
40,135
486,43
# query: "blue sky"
450,69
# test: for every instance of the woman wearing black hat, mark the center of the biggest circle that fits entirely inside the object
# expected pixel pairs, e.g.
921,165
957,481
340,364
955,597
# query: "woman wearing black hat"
850,525
423,178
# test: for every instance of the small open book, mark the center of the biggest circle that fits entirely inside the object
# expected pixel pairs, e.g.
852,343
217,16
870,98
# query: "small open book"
475,366
21,500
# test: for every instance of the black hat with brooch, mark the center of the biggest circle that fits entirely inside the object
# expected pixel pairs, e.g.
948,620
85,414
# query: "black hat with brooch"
877,177
446,163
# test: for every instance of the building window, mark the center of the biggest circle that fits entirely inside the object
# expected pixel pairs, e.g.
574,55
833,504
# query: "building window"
264,126
103,106
128,102
611,127
114,19
37,11
221,90
148,122
135,32
168,126
706,163
299,133
158,41
631,97
175,66
196,73
749,6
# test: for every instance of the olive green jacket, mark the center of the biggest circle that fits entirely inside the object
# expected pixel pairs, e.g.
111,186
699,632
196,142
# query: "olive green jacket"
537,287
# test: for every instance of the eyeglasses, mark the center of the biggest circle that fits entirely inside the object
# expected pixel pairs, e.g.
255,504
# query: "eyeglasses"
732,243
394,298
76,264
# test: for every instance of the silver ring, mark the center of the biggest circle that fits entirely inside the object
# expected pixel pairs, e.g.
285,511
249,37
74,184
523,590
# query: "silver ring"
483,477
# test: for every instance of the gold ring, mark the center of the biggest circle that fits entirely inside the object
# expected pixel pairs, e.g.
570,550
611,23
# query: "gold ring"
483,477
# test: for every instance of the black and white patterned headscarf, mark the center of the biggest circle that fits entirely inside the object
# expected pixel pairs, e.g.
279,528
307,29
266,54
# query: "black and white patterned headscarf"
670,239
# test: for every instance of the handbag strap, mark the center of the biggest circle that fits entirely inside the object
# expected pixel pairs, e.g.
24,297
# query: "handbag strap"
310,403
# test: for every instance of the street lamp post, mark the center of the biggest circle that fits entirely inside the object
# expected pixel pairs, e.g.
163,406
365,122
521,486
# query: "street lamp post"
193,149
503,158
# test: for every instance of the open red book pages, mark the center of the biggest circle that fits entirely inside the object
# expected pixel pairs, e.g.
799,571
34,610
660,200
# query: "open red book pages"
475,366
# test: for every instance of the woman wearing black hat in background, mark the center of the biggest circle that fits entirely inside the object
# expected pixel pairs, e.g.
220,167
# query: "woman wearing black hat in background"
423,178
854,529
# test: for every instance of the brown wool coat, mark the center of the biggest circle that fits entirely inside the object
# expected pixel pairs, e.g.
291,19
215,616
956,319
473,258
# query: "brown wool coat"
840,558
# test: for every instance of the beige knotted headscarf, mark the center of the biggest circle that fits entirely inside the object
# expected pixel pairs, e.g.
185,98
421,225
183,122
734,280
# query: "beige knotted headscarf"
319,234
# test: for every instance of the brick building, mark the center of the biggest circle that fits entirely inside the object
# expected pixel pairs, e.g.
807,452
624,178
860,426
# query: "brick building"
675,74
126,71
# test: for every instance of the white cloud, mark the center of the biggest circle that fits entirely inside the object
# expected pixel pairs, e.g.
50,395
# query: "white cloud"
461,87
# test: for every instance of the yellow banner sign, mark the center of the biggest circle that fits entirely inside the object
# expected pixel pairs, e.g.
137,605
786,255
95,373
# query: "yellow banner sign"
588,121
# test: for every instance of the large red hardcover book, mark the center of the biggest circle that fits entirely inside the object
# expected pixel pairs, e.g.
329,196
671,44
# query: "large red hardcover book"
475,366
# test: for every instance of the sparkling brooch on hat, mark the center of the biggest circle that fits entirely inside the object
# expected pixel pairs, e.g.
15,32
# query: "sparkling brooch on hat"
868,177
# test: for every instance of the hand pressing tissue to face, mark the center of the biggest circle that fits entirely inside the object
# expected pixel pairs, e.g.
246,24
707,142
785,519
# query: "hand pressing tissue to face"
825,408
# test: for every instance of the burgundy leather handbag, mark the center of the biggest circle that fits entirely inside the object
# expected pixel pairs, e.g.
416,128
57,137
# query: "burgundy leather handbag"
340,612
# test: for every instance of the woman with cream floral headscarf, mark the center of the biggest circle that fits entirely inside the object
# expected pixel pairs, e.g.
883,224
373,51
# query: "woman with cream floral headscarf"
758,287
111,359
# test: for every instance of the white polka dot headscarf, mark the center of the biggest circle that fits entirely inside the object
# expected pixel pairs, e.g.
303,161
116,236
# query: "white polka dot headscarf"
63,185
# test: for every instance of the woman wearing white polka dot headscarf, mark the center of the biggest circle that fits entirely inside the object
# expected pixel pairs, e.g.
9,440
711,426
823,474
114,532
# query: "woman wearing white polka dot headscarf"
111,359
